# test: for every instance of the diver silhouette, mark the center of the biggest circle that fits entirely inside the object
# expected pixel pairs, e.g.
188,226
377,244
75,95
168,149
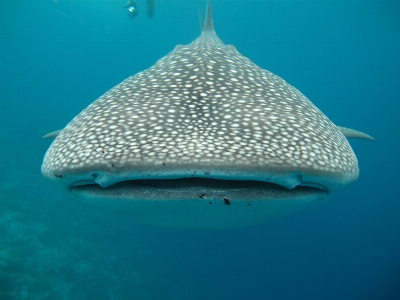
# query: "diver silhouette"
132,9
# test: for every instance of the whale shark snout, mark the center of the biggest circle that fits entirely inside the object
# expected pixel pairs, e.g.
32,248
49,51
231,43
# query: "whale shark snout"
202,139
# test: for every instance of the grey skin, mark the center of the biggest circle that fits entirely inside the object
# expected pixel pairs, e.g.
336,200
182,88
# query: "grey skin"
203,139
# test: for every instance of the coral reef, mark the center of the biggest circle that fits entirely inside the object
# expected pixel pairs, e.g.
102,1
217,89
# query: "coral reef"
52,247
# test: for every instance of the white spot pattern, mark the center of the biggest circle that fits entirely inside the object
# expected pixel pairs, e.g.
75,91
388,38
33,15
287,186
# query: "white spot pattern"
203,104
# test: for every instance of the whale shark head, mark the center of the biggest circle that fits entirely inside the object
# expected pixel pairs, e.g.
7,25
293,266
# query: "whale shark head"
202,139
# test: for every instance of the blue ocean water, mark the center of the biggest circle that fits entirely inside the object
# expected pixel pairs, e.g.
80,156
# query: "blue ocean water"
56,57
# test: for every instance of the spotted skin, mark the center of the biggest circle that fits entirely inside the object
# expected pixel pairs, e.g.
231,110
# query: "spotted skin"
204,110
203,104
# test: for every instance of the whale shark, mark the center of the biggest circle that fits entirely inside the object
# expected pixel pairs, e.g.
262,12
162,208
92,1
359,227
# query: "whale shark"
203,139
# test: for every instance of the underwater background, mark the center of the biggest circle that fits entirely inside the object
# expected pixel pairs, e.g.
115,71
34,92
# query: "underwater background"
57,56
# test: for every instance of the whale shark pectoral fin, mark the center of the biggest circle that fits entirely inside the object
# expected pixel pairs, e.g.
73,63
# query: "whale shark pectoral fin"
354,134
52,134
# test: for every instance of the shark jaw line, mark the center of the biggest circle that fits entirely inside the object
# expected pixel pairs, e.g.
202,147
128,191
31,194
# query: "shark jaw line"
196,188
203,139
199,203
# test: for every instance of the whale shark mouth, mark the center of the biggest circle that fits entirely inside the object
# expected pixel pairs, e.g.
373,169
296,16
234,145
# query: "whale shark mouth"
200,203
202,139
196,188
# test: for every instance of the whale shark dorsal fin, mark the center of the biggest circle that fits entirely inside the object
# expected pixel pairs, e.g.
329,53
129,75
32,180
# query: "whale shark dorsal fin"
208,23
354,134
52,134
201,20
